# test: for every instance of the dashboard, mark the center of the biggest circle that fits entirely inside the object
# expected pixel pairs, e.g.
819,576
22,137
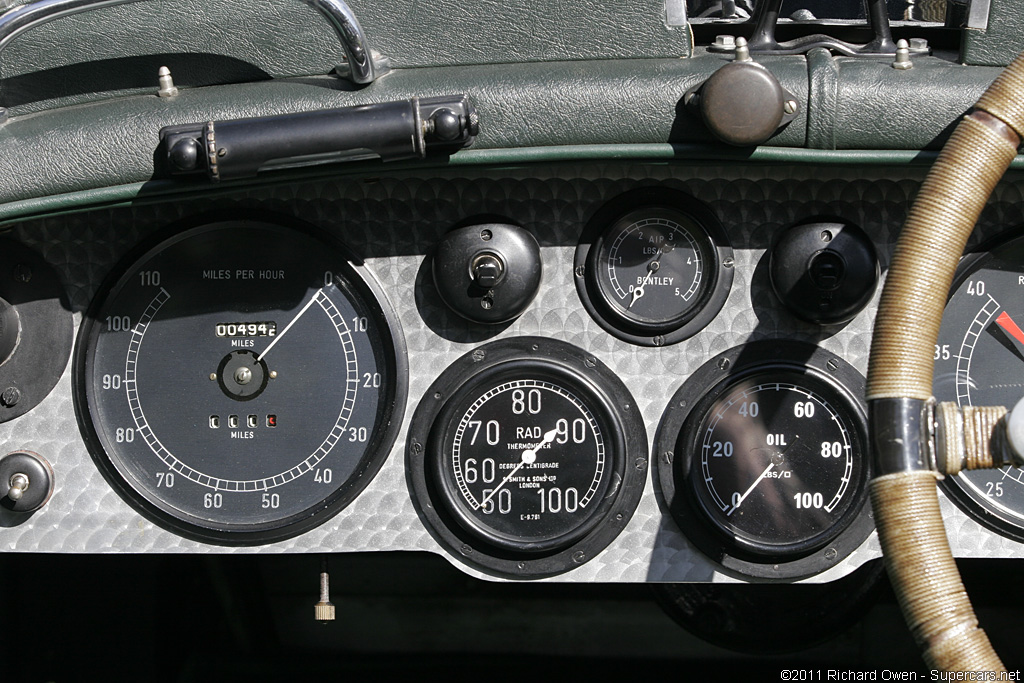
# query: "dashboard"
392,223
547,378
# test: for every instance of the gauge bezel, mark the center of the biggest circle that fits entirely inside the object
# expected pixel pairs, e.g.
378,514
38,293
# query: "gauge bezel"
990,517
356,280
599,389
697,219
677,436
451,415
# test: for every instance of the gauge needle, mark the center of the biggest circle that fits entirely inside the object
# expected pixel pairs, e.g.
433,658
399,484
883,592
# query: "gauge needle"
287,327
751,489
777,459
528,456
1006,322
1008,334
638,291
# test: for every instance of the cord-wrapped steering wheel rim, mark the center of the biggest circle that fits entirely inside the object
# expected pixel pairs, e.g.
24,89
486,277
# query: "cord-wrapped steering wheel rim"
903,493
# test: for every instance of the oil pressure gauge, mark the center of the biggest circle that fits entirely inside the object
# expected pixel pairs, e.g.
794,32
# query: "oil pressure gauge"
528,457
654,267
768,469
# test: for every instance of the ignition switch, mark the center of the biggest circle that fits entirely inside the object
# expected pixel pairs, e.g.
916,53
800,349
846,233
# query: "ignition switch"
825,272
488,273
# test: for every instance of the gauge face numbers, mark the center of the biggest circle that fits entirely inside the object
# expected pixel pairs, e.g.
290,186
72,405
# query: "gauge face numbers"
236,381
527,462
979,361
764,465
777,459
527,457
656,274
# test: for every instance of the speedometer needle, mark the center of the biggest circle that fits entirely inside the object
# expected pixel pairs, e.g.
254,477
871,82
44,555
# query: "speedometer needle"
528,456
287,327
751,489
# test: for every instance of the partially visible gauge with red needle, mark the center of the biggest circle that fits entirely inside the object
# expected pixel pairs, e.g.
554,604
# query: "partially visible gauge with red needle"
979,361
1006,322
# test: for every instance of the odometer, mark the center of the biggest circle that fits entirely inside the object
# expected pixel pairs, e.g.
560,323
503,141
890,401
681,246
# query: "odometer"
240,381
521,453
255,329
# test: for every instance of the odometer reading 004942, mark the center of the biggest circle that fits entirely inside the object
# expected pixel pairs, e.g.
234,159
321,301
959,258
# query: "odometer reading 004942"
519,456
237,381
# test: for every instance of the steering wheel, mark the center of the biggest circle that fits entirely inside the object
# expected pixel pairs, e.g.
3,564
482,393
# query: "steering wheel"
903,493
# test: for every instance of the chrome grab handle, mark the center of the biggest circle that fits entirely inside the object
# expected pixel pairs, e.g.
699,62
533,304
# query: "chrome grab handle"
362,66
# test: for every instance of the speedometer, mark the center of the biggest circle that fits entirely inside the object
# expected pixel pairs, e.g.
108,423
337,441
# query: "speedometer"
240,381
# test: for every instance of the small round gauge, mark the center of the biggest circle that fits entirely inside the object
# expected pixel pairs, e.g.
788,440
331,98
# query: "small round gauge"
654,267
528,456
979,361
241,381
768,465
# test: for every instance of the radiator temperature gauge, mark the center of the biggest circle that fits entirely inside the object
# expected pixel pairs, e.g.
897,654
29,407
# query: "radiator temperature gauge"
528,456
768,463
